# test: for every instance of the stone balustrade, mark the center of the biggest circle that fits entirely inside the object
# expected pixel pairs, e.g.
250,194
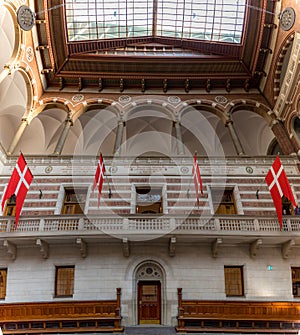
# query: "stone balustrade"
135,224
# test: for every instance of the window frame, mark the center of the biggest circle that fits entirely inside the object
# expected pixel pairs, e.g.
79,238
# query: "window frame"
236,195
58,285
3,290
136,19
10,205
61,197
295,282
164,202
238,281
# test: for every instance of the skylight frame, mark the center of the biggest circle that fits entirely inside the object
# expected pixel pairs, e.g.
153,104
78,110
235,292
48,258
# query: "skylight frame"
215,21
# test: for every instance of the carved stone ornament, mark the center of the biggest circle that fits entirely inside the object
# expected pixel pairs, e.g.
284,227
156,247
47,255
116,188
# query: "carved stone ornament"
77,97
29,54
287,18
174,99
25,17
124,99
149,271
221,99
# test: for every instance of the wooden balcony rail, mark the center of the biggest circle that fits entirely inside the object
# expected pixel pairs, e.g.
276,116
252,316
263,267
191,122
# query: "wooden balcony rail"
237,316
149,224
61,317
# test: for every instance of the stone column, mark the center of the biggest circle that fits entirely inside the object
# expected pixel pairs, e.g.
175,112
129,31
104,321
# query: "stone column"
283,137
63,136
180,147
236,141
17,137
119,137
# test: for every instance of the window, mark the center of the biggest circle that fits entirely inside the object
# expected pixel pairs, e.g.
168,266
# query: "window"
296,281
64,281
210,20
223,201
149,200
234,281
74,201
10,208
287,208
3,276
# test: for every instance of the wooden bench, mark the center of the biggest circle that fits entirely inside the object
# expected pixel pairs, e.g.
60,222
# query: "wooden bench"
62,317
237,316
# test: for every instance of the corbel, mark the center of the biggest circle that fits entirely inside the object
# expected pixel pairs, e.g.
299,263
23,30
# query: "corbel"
165,85
80,84
172,246
61,83
208,86
254,246
215,246
100,84
286,248
45,71
44,248
143,85
42,47
126,247
121,84
187,85
82,247
228,85
11,249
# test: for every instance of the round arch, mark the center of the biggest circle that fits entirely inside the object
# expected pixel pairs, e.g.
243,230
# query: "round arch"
149,128
204,129
98,121
18,34
149,270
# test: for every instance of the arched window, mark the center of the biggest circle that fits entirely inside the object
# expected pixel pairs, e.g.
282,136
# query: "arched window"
275,149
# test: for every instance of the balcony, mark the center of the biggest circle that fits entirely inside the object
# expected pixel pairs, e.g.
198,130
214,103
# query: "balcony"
216,232
155,226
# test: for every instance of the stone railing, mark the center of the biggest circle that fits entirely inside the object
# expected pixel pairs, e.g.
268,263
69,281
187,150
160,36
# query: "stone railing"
133,224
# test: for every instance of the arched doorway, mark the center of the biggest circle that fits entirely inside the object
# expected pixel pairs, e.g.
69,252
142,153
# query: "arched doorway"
149,281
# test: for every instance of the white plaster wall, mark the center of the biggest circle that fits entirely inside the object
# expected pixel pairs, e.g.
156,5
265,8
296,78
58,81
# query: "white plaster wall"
31,278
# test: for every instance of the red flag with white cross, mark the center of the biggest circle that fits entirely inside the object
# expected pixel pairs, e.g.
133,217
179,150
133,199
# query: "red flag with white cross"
99,177
279,186
18,185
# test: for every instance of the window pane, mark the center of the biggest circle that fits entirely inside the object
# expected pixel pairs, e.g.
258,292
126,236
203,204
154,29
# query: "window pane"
211,20
74,201
223,201
296,281
234,280
64,283
3,279
149,200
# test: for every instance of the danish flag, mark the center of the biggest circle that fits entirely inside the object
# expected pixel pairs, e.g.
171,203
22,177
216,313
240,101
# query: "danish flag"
279,185
18,185
99,177
197,178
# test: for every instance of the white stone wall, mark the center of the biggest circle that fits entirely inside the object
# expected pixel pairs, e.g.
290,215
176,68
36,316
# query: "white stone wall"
31,278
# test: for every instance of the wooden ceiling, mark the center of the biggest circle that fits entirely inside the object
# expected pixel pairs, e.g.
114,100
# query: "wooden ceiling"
106,65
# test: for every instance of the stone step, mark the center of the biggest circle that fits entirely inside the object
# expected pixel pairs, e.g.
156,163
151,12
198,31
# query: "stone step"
147,330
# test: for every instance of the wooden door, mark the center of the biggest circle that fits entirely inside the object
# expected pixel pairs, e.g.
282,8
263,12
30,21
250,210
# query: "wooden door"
149,302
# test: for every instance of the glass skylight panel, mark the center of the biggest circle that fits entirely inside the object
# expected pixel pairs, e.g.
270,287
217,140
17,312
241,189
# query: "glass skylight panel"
103,19
210,20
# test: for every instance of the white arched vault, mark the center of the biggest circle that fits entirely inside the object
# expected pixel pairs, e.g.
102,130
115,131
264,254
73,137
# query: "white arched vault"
205,132
96,130
253,132
149,131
